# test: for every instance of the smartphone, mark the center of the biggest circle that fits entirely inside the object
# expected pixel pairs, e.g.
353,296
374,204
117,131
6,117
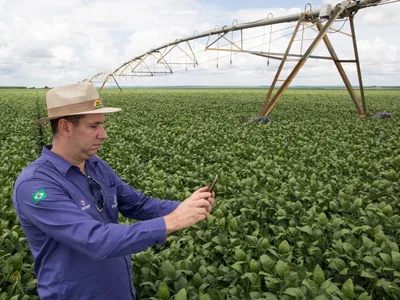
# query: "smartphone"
211,188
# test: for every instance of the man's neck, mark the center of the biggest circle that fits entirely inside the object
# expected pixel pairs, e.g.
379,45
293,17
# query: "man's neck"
64,153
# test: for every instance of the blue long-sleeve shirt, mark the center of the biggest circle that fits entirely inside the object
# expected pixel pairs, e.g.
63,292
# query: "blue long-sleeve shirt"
81,253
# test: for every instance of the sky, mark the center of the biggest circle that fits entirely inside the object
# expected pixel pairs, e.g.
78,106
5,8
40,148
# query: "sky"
50,43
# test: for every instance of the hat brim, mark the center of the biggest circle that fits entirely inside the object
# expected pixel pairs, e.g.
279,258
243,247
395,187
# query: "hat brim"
105,110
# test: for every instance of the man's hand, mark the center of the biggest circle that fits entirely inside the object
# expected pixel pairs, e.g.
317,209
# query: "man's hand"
195,208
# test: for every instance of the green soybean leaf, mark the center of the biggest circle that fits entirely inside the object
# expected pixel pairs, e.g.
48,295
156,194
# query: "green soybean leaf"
204,296
312,286
238,267
202,271
240,255
349,248
367,275
270,296
197,280
307,229
386,258
251,276
348,289
321,297
318,275
254,266
367,243
233,225
267,263
295,292
364,296
163,291
282,268
168,269
396,259
181,295
284,247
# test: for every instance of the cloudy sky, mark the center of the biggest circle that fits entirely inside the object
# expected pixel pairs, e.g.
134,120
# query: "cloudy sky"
58,42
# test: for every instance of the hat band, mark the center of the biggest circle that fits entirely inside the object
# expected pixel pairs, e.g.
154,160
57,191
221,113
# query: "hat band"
75,108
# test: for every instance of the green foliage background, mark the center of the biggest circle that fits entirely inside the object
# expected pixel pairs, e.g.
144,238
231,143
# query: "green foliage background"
307,206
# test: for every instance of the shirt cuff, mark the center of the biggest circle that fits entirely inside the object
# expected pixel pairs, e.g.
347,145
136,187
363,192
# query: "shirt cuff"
175,204
157,231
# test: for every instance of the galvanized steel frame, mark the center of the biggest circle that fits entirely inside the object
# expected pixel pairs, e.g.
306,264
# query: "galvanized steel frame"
269,103
346,9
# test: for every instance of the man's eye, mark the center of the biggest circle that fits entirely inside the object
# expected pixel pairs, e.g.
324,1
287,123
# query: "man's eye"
94,126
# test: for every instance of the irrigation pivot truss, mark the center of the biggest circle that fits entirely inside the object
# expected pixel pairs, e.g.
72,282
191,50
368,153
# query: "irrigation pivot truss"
182,52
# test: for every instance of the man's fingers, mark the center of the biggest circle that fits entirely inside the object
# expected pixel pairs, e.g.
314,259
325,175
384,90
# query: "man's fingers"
198,203
202,189
202,203
201,195
211,200
202,213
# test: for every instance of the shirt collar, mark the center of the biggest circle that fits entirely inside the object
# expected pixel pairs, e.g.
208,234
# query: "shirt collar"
61,164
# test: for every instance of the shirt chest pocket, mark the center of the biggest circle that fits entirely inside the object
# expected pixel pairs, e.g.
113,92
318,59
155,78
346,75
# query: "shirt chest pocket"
110,205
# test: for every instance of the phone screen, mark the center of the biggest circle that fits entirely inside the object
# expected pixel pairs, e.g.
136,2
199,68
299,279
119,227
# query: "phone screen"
211,188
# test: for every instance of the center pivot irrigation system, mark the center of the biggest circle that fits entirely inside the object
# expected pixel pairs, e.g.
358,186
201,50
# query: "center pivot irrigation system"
321,21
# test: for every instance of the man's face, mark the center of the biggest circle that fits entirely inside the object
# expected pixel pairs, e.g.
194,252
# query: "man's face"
87,138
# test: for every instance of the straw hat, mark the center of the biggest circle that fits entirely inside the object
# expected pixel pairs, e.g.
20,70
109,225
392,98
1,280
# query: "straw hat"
74,99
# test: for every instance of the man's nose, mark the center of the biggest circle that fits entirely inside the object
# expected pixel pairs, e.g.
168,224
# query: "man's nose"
102,134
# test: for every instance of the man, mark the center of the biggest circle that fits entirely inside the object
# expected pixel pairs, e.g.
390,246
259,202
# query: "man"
68,202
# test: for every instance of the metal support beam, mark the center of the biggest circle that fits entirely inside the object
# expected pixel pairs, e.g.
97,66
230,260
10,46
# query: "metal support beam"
342,72
104,82
232,43
186,53
166,51
267,105
163,62
140,61
193,53
360,82
116,83
267,54
270,103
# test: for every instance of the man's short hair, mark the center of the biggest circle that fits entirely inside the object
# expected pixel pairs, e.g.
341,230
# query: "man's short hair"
73,119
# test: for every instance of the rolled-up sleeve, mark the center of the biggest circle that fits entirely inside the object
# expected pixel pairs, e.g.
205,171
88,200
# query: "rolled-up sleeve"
54,213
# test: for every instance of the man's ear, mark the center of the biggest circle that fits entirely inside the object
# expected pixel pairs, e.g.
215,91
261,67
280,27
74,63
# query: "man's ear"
65,127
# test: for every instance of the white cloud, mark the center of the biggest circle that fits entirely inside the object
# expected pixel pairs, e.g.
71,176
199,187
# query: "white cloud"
57,42
63,57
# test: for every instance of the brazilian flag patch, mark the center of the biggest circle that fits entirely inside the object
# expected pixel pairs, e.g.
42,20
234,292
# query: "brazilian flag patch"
38,195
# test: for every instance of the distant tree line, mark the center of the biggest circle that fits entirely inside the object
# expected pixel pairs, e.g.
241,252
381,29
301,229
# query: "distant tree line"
12,87
22,87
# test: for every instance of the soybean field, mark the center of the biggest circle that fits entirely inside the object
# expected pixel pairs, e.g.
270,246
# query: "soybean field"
307,206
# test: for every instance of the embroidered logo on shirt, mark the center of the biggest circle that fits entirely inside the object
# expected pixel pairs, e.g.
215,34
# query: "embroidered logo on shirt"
86,207
38,195
115,202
